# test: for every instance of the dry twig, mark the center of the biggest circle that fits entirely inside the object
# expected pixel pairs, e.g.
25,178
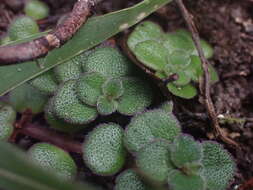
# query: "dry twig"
205,81
40,47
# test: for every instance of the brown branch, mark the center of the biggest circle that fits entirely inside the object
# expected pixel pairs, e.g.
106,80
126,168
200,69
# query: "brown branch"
248,185
52,137
11,54
205,80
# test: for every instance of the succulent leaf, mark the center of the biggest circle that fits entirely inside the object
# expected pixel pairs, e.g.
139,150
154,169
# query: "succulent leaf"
145,31
177,61
154,161
179,181
46,83
106,106
109,62
27,97
22,27
185,150
148,126
136,97
218,166
89,87
113,88
152,54
104,152
7,118
53,159
188,91
36,9
68,107
129,179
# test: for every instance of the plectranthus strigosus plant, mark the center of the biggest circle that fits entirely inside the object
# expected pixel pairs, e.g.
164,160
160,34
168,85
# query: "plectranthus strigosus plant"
170,53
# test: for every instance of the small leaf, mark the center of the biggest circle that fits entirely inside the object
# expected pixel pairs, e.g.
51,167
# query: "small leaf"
36,9
218,166
183,79
136,97
177,61
106,106
145,31
179,181
154,161
129,180
103,150
167,106
113,88
185,150
187,91
89,87
26,97
152,54
207,48
46,83
68,107
54,159
148,126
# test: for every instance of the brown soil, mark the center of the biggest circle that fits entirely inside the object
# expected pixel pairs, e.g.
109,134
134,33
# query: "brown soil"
228,26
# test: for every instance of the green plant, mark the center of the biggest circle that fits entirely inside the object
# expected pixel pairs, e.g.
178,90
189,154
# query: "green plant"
36,9
103,149
129,179
22,27
186,164
170,53
53,159
7,119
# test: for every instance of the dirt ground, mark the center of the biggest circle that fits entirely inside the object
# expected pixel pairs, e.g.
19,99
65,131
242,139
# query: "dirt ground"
228,26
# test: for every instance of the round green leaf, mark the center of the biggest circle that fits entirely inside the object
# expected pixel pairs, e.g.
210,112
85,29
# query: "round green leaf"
113,88
145,31
89,87
148,126
187,91
106,106
53,159
22,27
218,166
154,161
177,61
136,97
109,62
152,54
27,97
179,181
103,150
185,150
36,9
129,180
68,107
45,83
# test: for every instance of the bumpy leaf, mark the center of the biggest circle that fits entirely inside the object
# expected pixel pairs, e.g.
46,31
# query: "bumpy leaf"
152,54
22,27
108,61
103,150
58,123
7,118
145,31
179,181
113,88
46,83
218,166
106,106
68,107
89,87
129,180
69,70
54,159
154,161
36,9
148,126
188,91
185,150
26,97
137,96
167,106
